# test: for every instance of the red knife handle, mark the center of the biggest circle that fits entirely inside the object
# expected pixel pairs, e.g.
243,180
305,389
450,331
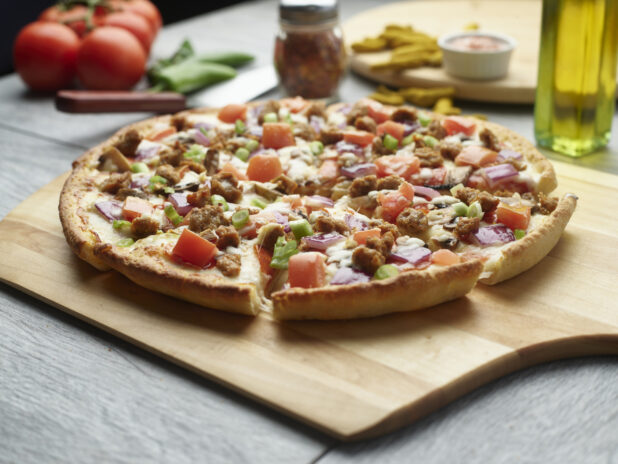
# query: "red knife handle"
111,101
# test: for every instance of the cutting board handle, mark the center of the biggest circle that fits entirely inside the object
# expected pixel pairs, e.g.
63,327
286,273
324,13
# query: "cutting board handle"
108,101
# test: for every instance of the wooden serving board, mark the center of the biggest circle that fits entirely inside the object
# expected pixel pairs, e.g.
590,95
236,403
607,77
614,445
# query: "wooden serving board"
351,379
521,19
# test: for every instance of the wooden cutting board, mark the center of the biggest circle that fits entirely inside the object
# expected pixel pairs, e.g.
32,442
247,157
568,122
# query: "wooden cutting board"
351,379
521,19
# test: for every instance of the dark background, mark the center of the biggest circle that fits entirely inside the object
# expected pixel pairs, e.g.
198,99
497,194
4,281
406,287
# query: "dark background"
15,14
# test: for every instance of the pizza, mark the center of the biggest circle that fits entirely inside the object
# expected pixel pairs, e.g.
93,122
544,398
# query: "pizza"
313,212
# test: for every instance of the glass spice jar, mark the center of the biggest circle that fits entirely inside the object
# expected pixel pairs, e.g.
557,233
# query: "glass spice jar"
309,52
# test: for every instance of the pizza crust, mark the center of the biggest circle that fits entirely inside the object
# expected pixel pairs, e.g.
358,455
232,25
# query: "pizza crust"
525,253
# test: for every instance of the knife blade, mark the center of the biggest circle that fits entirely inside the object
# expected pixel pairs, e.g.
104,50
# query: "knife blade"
245,86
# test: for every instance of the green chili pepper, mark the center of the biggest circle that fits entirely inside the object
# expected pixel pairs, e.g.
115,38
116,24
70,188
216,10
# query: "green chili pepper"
519,233
234,59
196,153
240,218
390,142
259,203
139,167
271,117
252,145
301,228
120,224
282,253
385,271
316,147
172,214
475,210
219,200
407,140
430,141
184,52
125,242
424,119
239,127
191,75
461,209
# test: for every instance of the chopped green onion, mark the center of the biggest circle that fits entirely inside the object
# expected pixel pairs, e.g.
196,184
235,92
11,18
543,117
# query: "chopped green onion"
204,131
239,127
407,140
461,209
219,200
271,117
119,224
390,142
519,233
288,119
316,147
157,180
196,153
139,167
168,190
475,210
301,228
242,153
172,214
259,203
282,253
125,242
385,271
424,119
430,141
240,218
252,145
456,189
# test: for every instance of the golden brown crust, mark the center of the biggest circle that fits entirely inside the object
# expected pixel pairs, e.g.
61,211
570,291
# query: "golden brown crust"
408,291
521,255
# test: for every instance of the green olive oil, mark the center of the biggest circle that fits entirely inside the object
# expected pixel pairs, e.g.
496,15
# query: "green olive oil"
576,84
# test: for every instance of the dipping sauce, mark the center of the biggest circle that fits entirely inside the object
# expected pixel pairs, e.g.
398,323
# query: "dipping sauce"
477,43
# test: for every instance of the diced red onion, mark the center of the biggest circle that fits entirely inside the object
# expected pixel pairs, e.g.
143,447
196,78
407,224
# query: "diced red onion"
359,170
414,256
180,203
201,138
204,125
109,209
317,201
321,242
410,127
495,175
283,220
495,234
345,109
426,192
345,147
354,222
139,182
347,275
506,154
146,150
317,123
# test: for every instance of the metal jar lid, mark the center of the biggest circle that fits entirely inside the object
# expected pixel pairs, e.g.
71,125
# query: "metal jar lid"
307,13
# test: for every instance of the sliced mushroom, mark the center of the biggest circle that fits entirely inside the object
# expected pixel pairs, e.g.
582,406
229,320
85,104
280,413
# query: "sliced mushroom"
113,160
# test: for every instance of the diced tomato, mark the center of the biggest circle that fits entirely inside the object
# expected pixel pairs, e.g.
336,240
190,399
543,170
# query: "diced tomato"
307,270
459,125
358,137
230,113
445,258
134,207
264,257
277,135
295,105
393,128
476,156
249,230
514,217
478,182
329,170
229,167
407,190
424,207
377,111
361,236
160,135
438,176
264,168
194,249
392,204
398,165
295,201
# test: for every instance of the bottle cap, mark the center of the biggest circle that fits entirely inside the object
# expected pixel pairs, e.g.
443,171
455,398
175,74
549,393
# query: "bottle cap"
306,13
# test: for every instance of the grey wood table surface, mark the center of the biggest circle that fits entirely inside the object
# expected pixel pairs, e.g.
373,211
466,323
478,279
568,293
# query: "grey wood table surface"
72,393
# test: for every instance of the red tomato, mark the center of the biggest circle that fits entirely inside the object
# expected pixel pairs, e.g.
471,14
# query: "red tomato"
45,55
134,207
361,236
392,203
194,249
277,135
358,137
438,175
264,168
143,8
75,18
478,182
398,165
307,270
160,135
393,128
445,258
378,112
110,58
514,217
459,124
295,105
230,113
329,170
476,156
229,167
135,24
407,190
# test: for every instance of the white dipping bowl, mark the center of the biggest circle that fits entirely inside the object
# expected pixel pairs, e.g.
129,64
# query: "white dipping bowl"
474,63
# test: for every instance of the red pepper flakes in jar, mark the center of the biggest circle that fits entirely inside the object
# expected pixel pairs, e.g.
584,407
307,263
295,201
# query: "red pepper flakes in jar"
309,52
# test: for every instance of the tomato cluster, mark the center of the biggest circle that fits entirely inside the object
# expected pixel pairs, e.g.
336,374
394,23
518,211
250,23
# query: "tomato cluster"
105,43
